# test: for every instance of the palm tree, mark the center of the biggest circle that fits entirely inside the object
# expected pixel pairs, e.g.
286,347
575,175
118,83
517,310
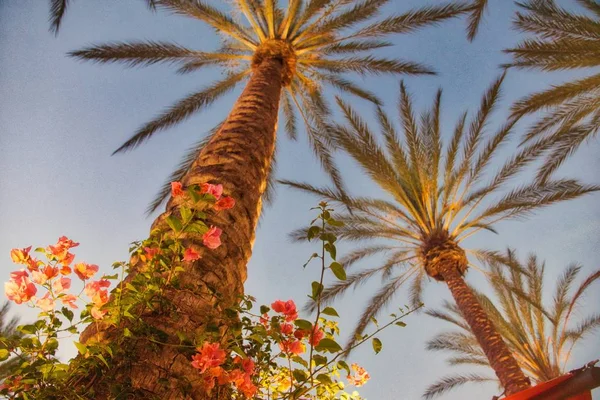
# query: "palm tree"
432,209
563,40
540,337
8,330
287,56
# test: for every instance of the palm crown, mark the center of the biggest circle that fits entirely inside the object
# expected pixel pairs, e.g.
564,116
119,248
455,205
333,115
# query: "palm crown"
541,337
317,40
563,40
437,198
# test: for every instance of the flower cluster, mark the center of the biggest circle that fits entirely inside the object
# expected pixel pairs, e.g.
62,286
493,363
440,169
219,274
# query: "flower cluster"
53,277
360,376
209,361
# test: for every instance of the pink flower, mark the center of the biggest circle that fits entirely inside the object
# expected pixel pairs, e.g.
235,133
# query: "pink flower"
20,256
61,251
225,203
45,303
191,255
292,347
97,313
85,271
41,276
286,329
361,376
176,189
19,289
209,355
215,190
60,285
212,238
96,290
69,300
287,308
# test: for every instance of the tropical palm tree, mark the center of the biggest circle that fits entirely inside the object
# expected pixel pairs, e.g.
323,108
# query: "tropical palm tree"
540,336
8,330
563,40
433,208
287,55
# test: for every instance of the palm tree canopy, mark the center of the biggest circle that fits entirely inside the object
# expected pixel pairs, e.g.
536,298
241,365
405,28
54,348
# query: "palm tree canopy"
8,330
437,196
541,335
318,42
562,40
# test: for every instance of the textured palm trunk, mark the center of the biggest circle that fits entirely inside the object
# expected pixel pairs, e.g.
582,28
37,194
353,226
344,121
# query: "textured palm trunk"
239,158
499,356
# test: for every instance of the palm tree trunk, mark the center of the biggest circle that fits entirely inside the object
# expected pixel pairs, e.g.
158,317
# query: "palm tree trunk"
239,158
499,356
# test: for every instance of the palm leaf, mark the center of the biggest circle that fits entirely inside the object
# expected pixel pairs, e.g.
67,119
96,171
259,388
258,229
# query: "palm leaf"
451,382
475,18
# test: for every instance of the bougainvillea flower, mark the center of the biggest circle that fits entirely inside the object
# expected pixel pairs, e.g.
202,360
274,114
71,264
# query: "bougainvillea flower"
20,256
19,289
286,329
65,270
85,271
212,238
287,308
246,363
225,203
219,373
208,356
97,313
60,251
191,255
46,303
264,320
69,300
292,347
60,285
360,377
96,290
215,190
176,189
316,336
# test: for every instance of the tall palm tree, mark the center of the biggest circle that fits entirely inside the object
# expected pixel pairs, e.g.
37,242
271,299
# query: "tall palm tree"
286,55
8,330
432,208
563,40
540,335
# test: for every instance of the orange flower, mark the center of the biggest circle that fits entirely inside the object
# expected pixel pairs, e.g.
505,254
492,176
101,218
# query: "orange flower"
97,313
69,300
316,336
176,189
225,203
264,320
287,308
247,364
60,252
60,285
20,256
361,376
85,271
212,238
209,355
151,252
19,289
191,255
215,190
286,329
45,303
96,290
292,347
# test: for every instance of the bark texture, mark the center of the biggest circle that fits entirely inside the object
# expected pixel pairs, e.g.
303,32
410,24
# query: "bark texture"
499,356
238,157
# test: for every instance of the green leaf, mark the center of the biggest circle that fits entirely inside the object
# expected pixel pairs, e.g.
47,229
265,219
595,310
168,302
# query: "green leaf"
186,214
326,215
334,222
338,271
174,223
377,345
319,359
67,313
329,345
4,354
317,288
324,378
303,324
197,227
313,231
82,348
126,332
264,309
101,358
401,324
27,329
328,237
330,311
300,360
330,248
51,345
131,287
300,375
375,321
344,365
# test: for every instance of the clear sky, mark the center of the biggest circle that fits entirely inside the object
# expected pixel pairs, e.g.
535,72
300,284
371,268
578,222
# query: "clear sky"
60,119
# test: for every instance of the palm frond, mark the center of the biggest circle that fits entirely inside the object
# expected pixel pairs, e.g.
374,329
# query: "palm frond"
354,256
367,65
451,382
57,12
478,8
290,115
182,110
355,46
573,301
555,55
591,5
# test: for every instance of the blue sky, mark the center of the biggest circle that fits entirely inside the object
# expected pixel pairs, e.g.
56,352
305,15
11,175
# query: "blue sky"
60,119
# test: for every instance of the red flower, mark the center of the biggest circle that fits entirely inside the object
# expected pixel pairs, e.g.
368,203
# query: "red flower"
69,300
19,289
41,276
151,252
212,238
287,308
85,271
191,255
215,190
20,256
286,329
225,203
60,252
292,347
264,320
316,336
209,355
247,364
176,189
299,334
